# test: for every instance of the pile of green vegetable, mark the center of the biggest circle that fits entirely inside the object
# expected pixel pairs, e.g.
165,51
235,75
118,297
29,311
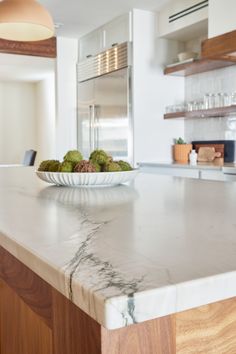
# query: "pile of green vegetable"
99,161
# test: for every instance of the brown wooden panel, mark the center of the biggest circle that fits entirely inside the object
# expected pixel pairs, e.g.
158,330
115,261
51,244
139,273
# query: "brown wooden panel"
204,113
209,329
74,332
218,147
33,290
220,47
46,48
21,330
150,337
196,67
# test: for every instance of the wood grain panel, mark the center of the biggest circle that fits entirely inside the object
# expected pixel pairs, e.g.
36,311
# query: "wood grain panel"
74,332
46,48
196,67
220,47
150,337
33,290
209,329
204,113
21,330
218,147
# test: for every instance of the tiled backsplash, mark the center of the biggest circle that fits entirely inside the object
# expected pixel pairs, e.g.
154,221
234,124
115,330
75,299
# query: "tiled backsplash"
196,86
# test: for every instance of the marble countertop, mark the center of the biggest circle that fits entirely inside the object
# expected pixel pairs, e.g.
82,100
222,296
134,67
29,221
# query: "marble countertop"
200,166
124,254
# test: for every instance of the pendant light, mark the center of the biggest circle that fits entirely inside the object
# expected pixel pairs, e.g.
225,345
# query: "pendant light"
25,20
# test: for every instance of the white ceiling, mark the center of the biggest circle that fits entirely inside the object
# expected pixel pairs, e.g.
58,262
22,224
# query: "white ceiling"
82,16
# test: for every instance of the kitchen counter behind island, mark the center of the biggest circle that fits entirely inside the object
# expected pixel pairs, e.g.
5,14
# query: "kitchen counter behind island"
138,255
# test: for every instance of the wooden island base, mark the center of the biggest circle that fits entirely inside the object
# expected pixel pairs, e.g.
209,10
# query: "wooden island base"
37,319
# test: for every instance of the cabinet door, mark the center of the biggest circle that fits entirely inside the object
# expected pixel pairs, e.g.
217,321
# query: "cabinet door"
91,44
212,175
117,31
172,171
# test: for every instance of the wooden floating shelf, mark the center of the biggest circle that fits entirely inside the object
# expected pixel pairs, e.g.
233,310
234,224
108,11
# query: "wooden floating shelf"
197,67
205,113
222,47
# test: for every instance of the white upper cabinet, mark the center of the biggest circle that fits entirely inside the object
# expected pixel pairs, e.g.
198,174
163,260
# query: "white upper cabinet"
222,17
91,44
115,32
184,19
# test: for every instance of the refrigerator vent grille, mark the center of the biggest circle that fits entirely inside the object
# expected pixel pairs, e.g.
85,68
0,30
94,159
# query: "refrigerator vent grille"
104,63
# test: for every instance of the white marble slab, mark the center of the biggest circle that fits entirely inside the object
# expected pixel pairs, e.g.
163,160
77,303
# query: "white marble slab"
124,254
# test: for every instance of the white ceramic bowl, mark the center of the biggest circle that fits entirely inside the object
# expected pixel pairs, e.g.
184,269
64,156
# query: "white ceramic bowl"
187,55
87,179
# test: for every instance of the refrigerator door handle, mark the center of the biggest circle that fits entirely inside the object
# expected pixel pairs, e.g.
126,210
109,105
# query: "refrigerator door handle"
96,130
92,127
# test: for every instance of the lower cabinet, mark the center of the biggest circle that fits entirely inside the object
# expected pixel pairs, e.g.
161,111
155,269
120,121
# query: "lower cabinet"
197,173
211,175
171,171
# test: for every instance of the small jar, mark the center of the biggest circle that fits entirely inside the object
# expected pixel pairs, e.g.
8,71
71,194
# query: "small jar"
193,157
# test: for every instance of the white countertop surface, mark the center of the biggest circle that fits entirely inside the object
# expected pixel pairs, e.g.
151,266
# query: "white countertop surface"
124,254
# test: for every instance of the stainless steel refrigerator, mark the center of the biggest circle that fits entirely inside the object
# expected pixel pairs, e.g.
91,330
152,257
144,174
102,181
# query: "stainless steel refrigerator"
104,104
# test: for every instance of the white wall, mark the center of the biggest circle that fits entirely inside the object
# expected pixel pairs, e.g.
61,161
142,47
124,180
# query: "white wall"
45,118
196,86
222,18
152,91
67,52
18,131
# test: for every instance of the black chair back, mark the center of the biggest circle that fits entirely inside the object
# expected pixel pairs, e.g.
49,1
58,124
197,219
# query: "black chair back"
29,158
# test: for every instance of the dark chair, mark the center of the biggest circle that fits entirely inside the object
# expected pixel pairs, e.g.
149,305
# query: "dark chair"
29,158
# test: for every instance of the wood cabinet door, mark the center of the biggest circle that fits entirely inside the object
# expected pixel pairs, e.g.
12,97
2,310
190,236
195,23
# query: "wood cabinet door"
22,331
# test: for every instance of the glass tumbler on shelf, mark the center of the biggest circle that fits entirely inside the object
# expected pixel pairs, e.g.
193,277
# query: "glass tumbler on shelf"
189,106
227,100
215,100
233,98
221,99
208,101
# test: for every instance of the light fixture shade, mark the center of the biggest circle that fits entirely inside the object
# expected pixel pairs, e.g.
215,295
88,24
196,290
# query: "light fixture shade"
25,20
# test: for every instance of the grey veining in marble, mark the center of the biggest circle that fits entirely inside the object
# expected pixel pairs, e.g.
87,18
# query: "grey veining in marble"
124,254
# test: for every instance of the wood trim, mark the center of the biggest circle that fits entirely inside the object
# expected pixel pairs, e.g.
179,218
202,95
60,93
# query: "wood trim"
33,290
46,48
220,47
197,67
204,113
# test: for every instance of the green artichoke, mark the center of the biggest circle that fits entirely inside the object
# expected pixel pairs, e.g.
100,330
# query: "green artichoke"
46,165
99,157
73,156
66,166
125,166
54,166
112,167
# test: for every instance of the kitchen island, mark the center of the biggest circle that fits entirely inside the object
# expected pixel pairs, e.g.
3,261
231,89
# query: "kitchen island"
148,268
